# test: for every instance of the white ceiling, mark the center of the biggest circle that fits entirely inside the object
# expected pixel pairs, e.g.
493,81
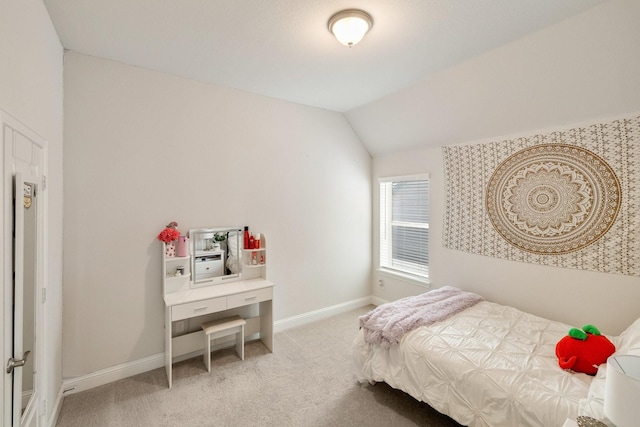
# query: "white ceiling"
282,48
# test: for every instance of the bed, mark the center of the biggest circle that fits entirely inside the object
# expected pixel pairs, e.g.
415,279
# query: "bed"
489,365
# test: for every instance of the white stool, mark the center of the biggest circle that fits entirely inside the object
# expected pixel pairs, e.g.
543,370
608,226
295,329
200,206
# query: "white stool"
222,328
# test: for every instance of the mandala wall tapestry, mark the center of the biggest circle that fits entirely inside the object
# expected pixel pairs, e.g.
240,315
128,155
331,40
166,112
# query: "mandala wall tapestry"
568,198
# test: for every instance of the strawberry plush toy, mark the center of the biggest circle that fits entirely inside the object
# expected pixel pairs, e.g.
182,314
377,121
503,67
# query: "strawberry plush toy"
584,350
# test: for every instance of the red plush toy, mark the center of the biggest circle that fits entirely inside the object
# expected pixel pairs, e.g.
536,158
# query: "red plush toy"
584,350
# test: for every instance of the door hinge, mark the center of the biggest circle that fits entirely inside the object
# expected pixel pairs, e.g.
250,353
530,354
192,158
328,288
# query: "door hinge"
44,295
44,182
44,407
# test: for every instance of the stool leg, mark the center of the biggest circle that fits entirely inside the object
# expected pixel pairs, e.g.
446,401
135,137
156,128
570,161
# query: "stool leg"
240,342
207,352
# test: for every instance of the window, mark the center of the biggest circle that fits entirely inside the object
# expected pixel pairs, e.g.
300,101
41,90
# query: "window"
404,225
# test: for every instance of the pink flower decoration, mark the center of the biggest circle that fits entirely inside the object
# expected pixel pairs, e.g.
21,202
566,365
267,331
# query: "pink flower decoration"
170,233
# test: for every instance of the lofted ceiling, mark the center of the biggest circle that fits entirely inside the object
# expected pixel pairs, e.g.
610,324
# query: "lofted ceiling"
282,48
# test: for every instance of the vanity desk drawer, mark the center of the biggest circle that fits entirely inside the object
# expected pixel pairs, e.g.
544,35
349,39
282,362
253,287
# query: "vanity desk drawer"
249,297
198,308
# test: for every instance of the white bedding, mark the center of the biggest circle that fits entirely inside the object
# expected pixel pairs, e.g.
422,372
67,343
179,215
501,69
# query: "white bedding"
490,365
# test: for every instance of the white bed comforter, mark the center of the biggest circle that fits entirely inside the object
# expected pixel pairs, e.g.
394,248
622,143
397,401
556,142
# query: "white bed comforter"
490,365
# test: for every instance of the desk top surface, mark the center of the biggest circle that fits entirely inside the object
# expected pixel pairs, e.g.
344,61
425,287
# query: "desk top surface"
215,291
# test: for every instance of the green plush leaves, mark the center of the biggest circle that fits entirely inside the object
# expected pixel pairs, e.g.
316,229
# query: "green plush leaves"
590,329
581,334
577,334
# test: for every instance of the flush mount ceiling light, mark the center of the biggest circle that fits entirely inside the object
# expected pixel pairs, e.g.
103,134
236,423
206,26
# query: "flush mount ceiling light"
349,26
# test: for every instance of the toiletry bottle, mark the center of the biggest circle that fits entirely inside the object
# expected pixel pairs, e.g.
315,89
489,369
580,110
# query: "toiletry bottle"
252,242
257,241
183,246
254,260
246,237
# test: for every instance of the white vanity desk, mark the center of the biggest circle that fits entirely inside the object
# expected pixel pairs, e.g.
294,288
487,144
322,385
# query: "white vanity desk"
213,299
250,296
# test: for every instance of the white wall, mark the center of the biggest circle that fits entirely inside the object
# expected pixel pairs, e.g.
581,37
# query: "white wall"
31,91
576,297
144,148
583,68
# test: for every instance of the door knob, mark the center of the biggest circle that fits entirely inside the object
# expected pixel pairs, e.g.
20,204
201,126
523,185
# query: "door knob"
13,363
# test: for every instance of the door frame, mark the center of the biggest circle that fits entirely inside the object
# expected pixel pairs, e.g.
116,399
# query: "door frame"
13,162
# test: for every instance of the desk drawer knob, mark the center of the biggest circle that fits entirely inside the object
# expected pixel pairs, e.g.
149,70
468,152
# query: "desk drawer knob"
200,308
249,298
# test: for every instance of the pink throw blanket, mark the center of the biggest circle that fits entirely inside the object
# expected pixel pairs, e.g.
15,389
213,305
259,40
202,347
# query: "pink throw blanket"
386,324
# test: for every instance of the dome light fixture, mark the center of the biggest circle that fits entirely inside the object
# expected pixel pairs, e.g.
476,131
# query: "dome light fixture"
349,26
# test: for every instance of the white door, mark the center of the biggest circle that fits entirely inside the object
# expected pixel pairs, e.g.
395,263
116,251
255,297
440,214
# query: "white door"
26,272
22,263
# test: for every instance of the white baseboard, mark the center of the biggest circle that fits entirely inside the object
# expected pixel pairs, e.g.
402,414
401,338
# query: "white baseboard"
378,301
323,313
114,373
125,370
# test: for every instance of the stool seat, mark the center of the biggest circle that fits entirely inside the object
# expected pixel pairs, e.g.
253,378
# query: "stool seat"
220,328
222,324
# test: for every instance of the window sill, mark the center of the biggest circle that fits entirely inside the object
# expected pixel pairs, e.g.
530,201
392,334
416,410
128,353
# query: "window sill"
414,280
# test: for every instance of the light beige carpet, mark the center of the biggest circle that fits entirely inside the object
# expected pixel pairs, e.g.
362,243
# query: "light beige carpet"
308,381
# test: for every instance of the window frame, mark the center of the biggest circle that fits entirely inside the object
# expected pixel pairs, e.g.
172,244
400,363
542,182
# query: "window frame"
385,239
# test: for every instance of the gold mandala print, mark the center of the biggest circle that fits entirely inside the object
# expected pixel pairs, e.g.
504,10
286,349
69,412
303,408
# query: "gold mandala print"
553,198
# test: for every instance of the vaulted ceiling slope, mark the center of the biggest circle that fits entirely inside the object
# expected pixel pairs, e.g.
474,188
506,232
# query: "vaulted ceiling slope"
565,75
282,48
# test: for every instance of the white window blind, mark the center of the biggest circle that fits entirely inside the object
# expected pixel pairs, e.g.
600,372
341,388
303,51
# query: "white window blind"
404,225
